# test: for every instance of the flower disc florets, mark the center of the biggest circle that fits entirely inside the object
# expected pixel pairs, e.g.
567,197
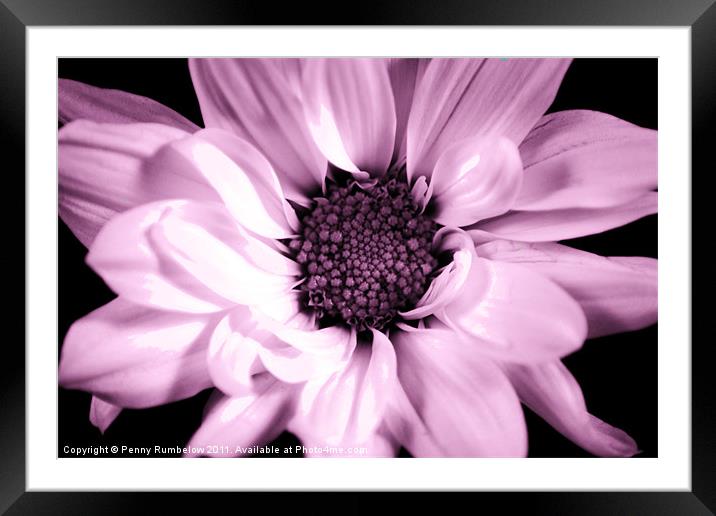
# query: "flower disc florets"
365,253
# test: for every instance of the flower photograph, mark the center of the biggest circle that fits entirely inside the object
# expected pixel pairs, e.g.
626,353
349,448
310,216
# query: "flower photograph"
357,257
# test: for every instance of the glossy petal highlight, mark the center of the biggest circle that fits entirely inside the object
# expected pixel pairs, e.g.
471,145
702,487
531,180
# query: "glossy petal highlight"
133,357
179,255
475,179
349,109
461,98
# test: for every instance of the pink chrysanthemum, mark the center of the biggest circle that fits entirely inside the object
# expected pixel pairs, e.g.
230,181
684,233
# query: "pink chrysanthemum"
360,251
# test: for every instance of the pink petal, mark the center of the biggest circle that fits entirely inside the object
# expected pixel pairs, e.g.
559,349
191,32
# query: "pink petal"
475,179
466,403
548,226
460,98
617,294
258,100
515,314
406,424
232,356
78,100
421,193
586,159
134,357
186,256
552,392
232,425
241,177
450,281
348,406
245,344
101,172
349,109
287,308
102,414
404,76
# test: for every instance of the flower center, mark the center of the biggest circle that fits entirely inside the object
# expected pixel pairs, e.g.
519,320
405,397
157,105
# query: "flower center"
365,253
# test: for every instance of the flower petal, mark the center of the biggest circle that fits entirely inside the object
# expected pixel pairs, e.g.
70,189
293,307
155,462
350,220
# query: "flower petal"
408,427
404,76
348,406
552,392
349,109
460,98
101,172
235,424
232,356
549,226
134,357
586,159
186,256
241,177
617,294
102,414
514,314
466,403
449,282
79,100
258,100
246,343
475,179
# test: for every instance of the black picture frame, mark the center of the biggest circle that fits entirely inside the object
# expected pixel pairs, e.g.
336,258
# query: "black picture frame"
17,15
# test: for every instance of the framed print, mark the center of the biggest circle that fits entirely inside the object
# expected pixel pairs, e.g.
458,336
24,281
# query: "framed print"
431,250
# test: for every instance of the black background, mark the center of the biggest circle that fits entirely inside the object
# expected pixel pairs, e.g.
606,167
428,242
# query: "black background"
618,374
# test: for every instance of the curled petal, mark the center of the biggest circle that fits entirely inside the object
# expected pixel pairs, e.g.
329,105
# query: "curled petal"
348,406
475,179
421,192
101,172
586,159
464,404
460,98
246,343
259,101
451,279
232,356
234,424
349,109
186,256
134,357
617,294
515,314
552,225
552,392
78,100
